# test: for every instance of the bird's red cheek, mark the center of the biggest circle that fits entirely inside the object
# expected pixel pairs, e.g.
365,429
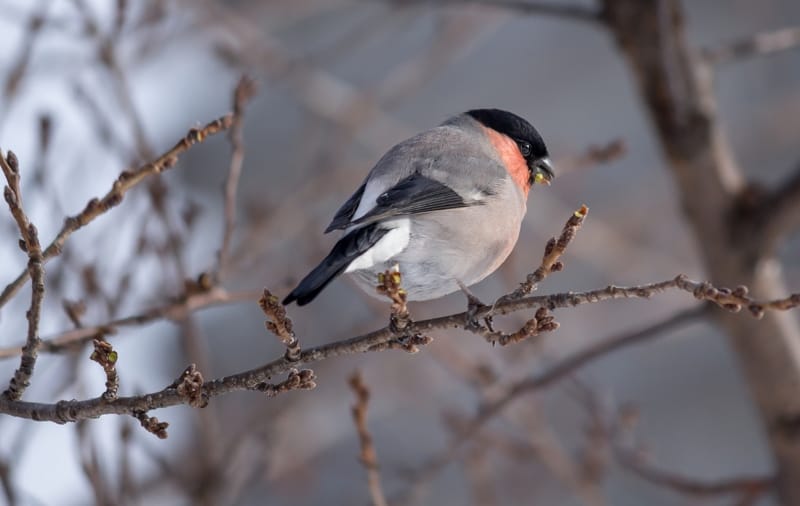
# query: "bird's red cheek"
512,159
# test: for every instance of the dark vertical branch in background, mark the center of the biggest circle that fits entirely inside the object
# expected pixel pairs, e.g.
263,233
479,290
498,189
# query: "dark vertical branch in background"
677,91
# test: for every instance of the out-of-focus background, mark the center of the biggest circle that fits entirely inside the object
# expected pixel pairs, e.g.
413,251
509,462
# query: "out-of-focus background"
90,87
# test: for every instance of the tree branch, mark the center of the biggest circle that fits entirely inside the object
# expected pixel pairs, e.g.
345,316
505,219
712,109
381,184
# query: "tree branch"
19,67
758,44
178,310
572,363
740,485
551,260
616,429
369,458
30,244
569,12
69,411
245,89
126,181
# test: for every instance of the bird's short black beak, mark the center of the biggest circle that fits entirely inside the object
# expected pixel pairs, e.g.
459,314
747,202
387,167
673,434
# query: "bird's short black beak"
543,171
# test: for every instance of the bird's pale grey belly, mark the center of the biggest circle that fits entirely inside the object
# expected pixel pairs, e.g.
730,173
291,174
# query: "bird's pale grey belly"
438,254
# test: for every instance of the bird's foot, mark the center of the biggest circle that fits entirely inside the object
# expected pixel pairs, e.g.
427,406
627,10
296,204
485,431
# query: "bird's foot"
474,306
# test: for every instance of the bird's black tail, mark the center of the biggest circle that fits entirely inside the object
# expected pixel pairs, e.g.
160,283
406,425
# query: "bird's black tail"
349,247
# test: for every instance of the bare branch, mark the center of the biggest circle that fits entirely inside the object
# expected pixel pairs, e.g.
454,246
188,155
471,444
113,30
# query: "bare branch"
558,10
369,458
91,465
631,453
780,215
105,355
20,66
481,476
572,363
740,485
552,254
280,324
9,488
593,155
30,244
174,311
67,411
152,424
297,380
245,89
542,322
759,44
125,181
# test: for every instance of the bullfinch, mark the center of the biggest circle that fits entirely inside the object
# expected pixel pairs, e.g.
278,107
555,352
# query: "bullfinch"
445,206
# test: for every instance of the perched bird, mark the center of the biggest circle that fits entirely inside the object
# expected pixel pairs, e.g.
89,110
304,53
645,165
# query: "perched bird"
445,206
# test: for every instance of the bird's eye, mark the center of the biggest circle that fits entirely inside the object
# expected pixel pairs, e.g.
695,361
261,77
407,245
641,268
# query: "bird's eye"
525,148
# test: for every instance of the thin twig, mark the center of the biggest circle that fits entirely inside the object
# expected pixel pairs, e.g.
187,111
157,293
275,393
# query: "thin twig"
105,355
279,323
125,181
569,12
739,485
22,62
572,363
7,483
152,424
174,311
618,429
551,260
30,244
369,458
68,411
296,380
92,466
542,322
480,476
593,155
758,44
245,89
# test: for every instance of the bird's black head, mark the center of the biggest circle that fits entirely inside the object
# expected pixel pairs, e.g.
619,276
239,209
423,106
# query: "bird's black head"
530,143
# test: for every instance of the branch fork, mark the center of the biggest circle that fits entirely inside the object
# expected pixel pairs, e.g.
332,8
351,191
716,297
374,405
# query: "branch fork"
400,322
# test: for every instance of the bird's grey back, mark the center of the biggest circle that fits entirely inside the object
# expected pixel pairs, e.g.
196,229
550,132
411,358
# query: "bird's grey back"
444,153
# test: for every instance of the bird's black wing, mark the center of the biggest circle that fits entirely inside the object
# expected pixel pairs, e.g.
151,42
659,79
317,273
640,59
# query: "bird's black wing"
345,213
413,195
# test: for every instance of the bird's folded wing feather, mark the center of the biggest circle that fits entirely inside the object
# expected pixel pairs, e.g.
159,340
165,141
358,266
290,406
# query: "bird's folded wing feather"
413,195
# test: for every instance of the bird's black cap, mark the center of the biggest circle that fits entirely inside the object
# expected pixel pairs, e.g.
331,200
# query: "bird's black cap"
513,126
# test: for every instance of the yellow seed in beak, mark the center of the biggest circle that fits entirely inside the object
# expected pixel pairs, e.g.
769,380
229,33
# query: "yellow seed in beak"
540,179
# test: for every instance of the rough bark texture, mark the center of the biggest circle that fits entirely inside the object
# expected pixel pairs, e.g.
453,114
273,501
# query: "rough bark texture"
677,90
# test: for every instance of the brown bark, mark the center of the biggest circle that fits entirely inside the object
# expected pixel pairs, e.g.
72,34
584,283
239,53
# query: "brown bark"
677,91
